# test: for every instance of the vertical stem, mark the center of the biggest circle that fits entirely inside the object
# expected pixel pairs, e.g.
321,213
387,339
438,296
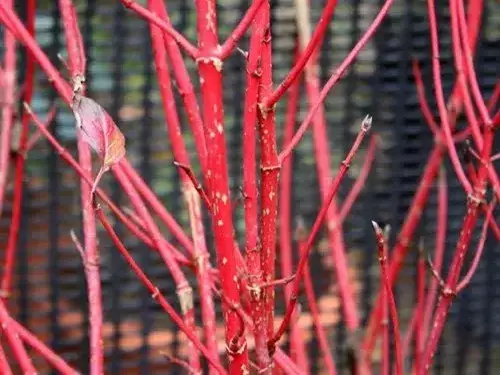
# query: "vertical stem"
419,332
323,165
252,248
383,256
15,223
91,260
9,86
210,72
191,197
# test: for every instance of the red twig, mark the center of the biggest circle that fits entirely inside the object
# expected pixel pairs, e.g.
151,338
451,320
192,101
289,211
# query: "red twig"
420,198
420,309
8,97
269,172
10,252
201,255
495,95
475,199
184,85
210,72
194,181
440,246
33,139
191,50
155,292
323,167
15,342
438,91
252,249
76,57
382,253
321,335
297,347
299,65
4,363
386,345
336,77
238,32
365,126
479,251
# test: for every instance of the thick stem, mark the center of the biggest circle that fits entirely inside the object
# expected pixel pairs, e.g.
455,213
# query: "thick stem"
210,72
252,248
269,171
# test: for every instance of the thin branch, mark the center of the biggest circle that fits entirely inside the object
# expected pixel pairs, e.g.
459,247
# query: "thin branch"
365,126
197,185
149,16
339,72
382,253
155,292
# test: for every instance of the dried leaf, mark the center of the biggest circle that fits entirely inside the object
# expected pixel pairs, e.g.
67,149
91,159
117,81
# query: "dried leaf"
100,132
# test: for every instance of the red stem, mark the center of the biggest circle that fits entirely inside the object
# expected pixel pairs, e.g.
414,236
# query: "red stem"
76,57
479,251
191,197
299,65
420,307
365,126
297,346
269,172
475,199
360,181
252,249
386,346
155,292
383,256
10,252
15,342
4,363
238,32
438,92
321,335
440,247
8,98
339,72
420,198
149,16
184,85
210,72
495,95
52,358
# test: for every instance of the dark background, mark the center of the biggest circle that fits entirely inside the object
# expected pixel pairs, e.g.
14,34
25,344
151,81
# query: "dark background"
50,286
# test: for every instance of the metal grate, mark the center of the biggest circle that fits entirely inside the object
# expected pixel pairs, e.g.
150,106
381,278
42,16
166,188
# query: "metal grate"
121,77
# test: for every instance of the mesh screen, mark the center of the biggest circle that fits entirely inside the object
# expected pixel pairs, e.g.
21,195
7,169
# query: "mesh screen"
50,285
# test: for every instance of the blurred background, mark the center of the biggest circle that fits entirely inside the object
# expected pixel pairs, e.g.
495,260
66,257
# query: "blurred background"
50,292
